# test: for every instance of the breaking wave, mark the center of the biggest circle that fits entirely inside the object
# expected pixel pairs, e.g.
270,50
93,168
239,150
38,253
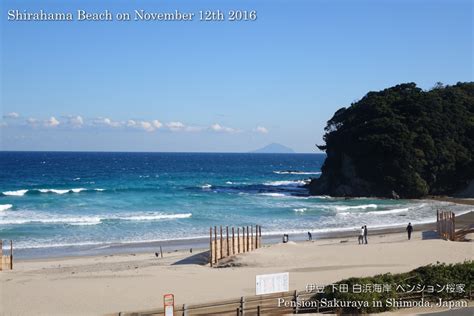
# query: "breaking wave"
56,191
4,207
272,194
15,193
297,172
355,207
296,183
92,220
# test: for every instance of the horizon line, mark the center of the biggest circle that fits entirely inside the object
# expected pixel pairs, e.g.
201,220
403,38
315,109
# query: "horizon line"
162,152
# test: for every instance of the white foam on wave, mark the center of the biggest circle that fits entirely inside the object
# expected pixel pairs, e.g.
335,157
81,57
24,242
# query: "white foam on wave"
90,220
15,193
206,186
4,207
297,172
394,211
300,210
296,183
152,217
229,182
62,191
354,207
86,220
272,194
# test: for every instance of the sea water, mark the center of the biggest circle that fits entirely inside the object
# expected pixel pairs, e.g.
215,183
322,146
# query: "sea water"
59,200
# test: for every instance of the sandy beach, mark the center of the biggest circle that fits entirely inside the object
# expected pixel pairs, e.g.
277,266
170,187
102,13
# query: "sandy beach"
126,282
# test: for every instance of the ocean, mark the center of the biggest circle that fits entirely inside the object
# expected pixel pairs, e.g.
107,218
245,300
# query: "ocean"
66,203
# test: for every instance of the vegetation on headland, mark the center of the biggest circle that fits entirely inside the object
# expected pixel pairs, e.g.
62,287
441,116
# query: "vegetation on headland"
401,142
447,282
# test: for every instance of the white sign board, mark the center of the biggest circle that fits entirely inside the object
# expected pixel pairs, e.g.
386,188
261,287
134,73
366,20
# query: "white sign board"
272,283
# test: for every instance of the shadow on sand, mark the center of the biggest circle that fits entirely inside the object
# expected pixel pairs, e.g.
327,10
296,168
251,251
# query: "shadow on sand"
201,258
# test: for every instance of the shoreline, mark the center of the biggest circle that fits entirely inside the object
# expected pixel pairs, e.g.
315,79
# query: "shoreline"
202,242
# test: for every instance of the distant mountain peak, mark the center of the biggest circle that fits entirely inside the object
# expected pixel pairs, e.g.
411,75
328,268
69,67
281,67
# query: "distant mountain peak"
274,148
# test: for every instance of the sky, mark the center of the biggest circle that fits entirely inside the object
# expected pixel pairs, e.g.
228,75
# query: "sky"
216,86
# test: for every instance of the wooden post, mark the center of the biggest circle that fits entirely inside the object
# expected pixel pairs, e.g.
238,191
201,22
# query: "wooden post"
437,221
227,236
256,236
161,252
238,239
11,254
454,226
242,306
243,239
233,241
210,246
222,248
260,236
1,255
258,310
185,310
215,244
248,238
251,238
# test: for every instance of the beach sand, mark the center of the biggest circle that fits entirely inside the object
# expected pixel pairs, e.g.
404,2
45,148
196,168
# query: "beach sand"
130,282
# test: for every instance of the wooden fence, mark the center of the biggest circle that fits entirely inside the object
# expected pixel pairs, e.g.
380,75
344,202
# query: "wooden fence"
445,225
269,305
243,306
6,262
233,241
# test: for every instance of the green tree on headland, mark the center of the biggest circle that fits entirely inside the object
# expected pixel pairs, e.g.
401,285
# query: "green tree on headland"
401,141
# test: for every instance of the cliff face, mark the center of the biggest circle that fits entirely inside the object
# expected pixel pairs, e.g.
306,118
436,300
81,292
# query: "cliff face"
401,142
344,181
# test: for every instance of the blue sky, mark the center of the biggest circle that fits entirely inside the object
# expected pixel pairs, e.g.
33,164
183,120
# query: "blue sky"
216,86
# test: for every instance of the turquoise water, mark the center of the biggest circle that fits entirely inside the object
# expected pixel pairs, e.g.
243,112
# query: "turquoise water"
54,200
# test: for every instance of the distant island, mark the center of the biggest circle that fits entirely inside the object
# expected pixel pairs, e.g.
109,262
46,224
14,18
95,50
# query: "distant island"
401,142
274,148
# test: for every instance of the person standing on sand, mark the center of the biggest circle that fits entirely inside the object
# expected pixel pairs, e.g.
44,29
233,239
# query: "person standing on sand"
361,235
365,234
310,237
409,230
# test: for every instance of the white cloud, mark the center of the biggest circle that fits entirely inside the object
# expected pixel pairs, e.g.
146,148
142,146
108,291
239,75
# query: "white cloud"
219,128
76,121
11,115
32,121
3,124
107,122
175,126
261,129
147,126
156,124
51,122
193,129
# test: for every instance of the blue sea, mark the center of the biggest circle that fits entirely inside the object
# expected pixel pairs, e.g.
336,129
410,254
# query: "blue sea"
55,202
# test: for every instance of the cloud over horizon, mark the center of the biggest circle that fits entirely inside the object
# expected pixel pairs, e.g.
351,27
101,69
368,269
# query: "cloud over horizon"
79,122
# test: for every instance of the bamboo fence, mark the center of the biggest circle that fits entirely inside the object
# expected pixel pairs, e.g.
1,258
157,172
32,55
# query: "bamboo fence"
233,241
445,225
6,262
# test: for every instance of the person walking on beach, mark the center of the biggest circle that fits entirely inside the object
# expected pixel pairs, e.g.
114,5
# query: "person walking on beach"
310,237
365,234
361,235
409,230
